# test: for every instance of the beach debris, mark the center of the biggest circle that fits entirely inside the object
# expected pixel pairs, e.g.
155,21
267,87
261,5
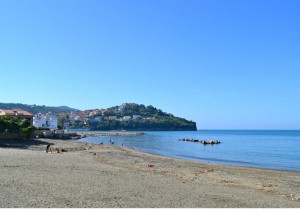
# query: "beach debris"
193,178
197,172
267,185
209,170
150,165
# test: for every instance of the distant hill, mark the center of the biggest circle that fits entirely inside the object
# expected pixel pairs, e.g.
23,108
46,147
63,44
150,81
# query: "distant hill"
34,109
131,116
66,108
128,116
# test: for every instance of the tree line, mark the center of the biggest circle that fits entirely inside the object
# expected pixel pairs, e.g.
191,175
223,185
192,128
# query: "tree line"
159,124
17,126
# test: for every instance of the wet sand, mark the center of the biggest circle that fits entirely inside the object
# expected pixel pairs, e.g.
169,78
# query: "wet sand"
98,176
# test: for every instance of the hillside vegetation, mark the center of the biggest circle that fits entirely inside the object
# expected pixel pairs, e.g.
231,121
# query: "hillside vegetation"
147,118
34,109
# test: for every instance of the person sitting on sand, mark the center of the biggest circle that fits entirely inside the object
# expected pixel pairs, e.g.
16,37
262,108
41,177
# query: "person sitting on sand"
57,150
47,148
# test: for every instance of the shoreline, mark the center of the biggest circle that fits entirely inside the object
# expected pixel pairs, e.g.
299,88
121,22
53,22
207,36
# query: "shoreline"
116,176
112,133
126,133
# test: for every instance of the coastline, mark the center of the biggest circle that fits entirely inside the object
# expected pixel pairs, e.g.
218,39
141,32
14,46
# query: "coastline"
90,175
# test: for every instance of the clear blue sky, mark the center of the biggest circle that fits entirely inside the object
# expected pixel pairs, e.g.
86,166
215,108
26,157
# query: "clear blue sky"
222,63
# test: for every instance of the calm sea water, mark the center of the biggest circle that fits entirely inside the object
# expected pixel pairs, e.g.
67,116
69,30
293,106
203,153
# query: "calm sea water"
272,149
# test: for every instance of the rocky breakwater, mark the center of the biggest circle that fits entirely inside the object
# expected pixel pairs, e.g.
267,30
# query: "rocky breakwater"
56,134
89,134
203,141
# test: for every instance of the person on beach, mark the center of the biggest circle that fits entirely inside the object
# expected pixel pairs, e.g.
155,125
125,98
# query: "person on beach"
101,143
47,148
112,141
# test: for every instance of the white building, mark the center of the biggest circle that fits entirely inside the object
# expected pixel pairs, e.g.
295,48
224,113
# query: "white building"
112,117
66,125
98,119
136,116
126,118
45,121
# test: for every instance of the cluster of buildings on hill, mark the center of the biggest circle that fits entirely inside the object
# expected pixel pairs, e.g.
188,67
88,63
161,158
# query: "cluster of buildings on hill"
94,115
67,119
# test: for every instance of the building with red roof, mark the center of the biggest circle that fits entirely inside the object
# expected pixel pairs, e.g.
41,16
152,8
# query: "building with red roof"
17,113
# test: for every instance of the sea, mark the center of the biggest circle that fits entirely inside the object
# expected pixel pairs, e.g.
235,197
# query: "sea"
270,149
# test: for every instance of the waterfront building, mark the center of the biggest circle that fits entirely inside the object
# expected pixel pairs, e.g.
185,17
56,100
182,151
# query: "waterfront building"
45,121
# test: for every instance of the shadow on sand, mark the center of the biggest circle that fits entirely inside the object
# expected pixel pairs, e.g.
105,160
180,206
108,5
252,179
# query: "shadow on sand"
21,143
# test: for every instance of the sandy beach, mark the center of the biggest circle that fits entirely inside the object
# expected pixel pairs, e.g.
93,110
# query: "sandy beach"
99,176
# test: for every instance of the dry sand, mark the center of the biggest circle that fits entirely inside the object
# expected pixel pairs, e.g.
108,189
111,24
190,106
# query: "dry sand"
112,176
